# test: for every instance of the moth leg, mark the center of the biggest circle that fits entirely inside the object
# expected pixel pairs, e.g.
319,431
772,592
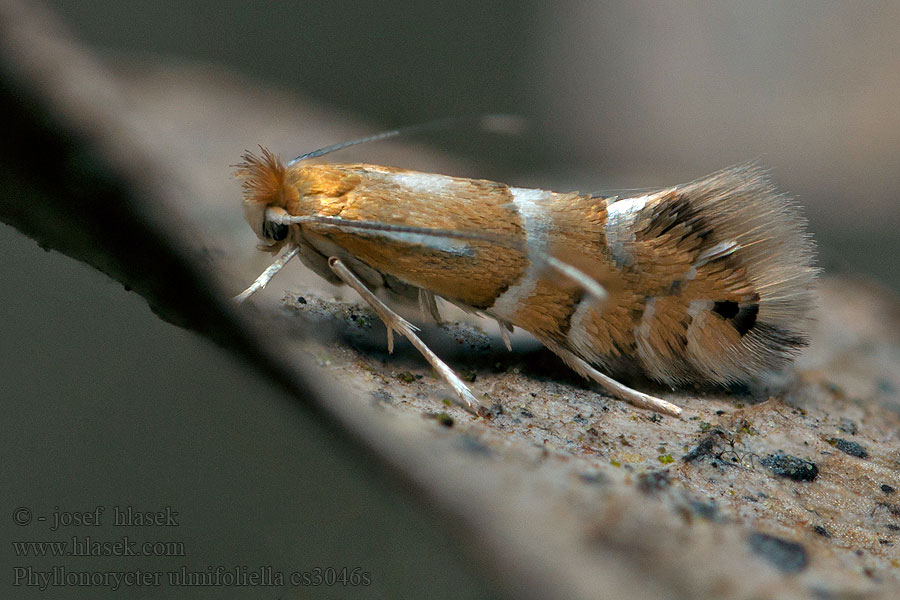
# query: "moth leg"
393,322
616,389
266,276
505,328
428,306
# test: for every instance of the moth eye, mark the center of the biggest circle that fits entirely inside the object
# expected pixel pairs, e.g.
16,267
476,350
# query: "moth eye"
275,231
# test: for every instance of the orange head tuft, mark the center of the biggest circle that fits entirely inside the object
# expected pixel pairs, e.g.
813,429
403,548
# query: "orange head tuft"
263,177
265,189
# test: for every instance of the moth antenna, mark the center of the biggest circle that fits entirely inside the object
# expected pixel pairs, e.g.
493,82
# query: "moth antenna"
588,283
500,123
613,193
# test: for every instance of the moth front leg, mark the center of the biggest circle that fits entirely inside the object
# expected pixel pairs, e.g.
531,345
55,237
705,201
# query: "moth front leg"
266,276
395,322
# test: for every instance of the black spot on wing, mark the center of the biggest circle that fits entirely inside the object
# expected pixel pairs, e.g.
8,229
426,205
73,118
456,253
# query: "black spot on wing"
679,211
726,309
745,319
675,287
742,316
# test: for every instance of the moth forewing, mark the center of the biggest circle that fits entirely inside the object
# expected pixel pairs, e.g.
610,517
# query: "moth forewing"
707,282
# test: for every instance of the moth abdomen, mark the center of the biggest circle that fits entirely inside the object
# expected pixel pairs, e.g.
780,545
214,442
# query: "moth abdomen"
725,270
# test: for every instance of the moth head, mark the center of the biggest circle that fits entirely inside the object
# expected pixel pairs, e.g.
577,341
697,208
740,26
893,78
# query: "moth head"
265,197
265,223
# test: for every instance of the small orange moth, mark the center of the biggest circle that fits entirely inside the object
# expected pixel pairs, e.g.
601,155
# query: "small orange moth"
706,282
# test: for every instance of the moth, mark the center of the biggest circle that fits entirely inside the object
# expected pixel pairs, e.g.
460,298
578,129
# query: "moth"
706,282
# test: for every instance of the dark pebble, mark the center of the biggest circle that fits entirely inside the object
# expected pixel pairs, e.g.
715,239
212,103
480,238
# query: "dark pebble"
473,445
785,555
785,465
653,481
848,426
593,477
444,419
848,447
705,510
887,489
821,531
894,509
704,448
382,395
491,412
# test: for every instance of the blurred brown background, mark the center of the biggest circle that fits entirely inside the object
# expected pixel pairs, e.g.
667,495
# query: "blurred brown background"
627,94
